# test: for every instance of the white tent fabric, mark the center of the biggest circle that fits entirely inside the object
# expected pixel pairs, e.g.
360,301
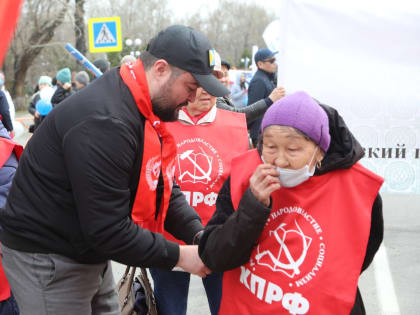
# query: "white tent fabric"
363,58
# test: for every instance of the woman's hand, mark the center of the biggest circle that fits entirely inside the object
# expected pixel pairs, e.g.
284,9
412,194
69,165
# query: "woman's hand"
263,182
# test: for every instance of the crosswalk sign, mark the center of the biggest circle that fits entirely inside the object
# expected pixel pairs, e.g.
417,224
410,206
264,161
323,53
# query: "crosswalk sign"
105,34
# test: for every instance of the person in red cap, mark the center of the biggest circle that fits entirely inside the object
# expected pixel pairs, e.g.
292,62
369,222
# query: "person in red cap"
95,183
298,219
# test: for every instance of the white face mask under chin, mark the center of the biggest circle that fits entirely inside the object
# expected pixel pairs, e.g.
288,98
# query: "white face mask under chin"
292,178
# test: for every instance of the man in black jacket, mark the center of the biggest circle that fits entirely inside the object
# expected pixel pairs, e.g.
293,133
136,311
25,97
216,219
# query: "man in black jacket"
261,85
80,178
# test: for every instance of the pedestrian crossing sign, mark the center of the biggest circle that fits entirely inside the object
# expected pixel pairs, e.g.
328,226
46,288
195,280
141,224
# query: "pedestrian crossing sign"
105,34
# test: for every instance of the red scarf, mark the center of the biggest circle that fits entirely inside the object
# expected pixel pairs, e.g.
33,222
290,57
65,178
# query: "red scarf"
194,119
159,152
6,148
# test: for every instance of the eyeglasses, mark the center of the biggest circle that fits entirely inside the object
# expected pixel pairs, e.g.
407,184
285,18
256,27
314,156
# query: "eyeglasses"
272,60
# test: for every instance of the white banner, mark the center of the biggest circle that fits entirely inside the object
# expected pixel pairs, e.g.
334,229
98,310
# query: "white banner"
363,58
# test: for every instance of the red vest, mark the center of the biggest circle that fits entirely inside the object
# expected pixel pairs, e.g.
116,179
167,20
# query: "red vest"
309,256
6,148
204,153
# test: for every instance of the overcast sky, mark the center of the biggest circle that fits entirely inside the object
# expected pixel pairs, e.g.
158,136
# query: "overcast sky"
184,8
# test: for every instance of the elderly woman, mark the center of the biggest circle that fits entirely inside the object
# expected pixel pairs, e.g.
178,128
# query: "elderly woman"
298,219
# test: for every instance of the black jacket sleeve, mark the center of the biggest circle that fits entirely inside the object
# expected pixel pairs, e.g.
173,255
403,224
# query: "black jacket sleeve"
376,232
99,154
5,113
252,112
230,236
181,219
60,95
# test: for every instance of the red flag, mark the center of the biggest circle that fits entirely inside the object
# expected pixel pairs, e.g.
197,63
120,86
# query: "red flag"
9,14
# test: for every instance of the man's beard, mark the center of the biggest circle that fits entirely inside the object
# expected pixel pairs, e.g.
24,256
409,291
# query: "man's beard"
163,106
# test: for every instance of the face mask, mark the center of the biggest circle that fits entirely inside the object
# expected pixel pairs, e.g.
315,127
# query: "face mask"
292,178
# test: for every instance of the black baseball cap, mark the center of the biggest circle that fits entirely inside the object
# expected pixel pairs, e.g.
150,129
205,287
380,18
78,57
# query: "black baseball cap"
226,64
189,50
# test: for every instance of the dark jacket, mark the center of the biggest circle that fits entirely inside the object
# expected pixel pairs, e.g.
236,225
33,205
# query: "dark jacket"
32,104
60,95
32,109
5,113
234,233
7,170
260,87
77,179
252,112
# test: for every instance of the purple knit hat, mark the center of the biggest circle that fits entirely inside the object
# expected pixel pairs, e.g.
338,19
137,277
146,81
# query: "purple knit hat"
300,111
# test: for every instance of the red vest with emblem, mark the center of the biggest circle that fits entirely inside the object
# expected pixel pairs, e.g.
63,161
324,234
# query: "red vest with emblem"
309,256
6,148
204,154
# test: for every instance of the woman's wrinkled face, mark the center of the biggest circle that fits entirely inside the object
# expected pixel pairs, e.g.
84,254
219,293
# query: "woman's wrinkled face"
203,102
284,147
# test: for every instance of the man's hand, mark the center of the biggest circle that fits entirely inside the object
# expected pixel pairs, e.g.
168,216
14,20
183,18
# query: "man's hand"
189,261
277,94
263,182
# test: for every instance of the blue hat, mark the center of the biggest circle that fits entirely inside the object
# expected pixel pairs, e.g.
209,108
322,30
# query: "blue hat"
64,75
264,53
43,107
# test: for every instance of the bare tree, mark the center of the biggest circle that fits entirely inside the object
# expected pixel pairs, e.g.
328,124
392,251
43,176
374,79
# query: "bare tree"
233,27
79,26
39,20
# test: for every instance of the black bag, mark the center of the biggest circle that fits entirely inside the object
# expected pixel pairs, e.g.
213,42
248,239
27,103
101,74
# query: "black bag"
136,294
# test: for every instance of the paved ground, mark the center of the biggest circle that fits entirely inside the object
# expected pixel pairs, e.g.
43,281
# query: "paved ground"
391,286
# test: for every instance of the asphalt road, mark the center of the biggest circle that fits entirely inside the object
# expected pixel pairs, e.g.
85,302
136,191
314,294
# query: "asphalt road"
391,285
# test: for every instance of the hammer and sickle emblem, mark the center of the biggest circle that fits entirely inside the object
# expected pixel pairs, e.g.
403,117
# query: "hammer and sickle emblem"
292,263
204,175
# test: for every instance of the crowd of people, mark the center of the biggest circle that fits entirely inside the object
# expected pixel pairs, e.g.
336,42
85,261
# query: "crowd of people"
157,164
